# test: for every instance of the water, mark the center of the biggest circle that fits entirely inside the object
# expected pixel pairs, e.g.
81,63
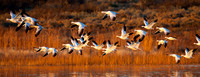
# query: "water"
102,71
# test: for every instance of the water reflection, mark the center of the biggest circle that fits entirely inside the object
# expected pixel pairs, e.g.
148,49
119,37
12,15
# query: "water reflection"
102,71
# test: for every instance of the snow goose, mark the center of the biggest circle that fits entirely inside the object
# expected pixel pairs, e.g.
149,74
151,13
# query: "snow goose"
29,19
110,48
38,29
76,45
147,25
111,14
170,38
162,29
51,50
161,42
98,47
80,25
198,40
177,57
25,24
42,49
140,33
133,45
14,18
188,54
69,46
124,35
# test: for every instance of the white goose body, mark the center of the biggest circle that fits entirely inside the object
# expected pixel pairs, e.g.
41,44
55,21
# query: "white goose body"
133,45
110,48
188,54
51,50
80,25
14,18
111,14
124,35
198,40
162,29
177,57
98,47
139,33
161,42
147,25
170,38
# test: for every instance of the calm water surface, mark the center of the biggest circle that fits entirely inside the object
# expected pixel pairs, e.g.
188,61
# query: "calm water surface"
102,71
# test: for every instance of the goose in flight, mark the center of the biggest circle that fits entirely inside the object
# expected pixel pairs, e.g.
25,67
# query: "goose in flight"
85,36
170,38
98,47
38,29
75,45
111,14
139,33
177,57
51,50
110,48
80,25
133,45
188,54
30,20
124,35
86,41
147,25
41,49
162,29
69,46
14,18
161,42
25,24
198,40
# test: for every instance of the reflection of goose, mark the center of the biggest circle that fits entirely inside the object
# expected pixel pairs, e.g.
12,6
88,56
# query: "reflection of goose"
177,57
170,38
162,29
14,18
80,25
161,42
98,47
124,35
51,50
110,13
110,48
198,40
188,54
133,45
140,33
147,25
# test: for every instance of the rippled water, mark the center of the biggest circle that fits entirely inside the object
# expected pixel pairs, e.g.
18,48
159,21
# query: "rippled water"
102,71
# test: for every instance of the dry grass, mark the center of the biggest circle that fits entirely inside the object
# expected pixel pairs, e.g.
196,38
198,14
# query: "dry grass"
17,47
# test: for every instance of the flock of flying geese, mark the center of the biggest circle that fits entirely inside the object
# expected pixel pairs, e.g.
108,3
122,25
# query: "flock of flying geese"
24,20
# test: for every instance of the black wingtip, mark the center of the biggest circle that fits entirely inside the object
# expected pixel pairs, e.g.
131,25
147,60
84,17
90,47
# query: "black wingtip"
88,33
135,38
54,54
116,43
104,42
130,33
157,32
178,62
62,49
145,18
90,38
197,36
103,54
167,33
158,46
114,18
156,20
45,54
72,38
70,51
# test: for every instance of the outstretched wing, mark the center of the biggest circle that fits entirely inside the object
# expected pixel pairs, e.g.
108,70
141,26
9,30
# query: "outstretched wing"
105,16
123,30
145,22
153,23
198,38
